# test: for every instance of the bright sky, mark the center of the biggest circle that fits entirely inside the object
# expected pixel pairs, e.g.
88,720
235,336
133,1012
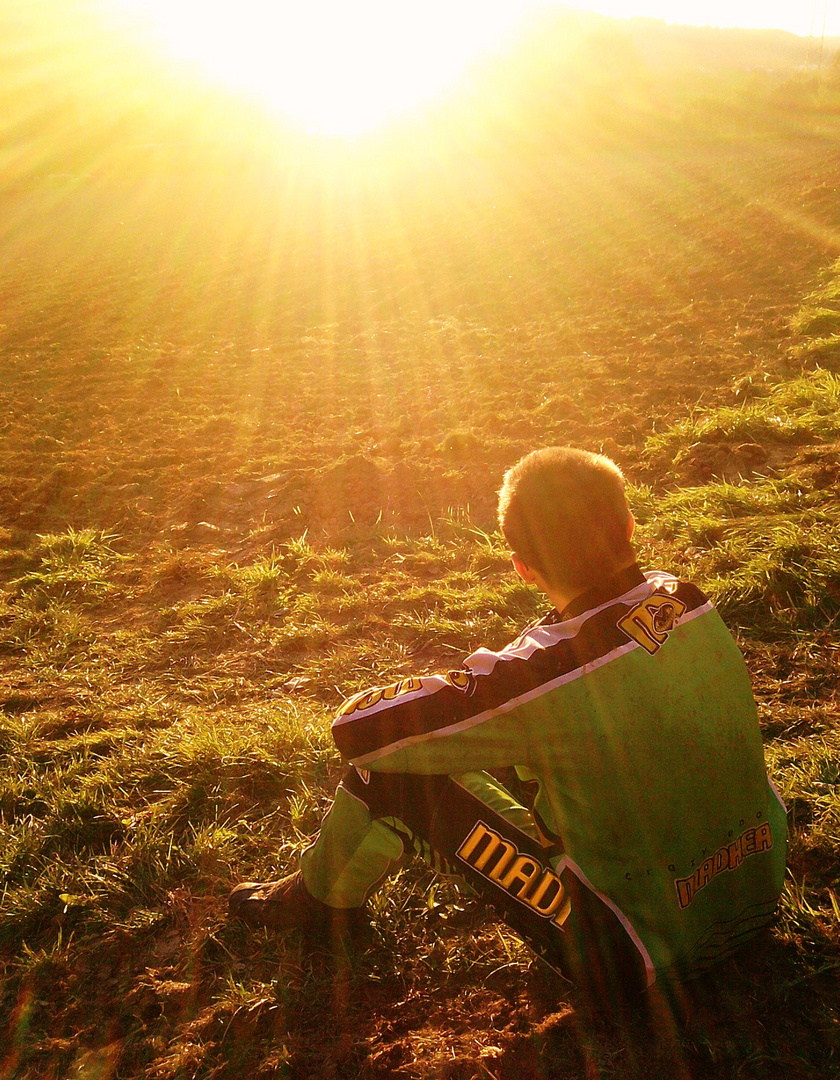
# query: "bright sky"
340,66
344,66
803,17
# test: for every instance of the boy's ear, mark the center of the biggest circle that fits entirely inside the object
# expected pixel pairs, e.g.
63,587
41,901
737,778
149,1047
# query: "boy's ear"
523,569
631,524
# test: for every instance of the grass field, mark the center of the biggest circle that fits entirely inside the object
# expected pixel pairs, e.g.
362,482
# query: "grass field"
254,411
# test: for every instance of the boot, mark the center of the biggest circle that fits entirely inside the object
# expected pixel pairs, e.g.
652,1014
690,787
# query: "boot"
288,905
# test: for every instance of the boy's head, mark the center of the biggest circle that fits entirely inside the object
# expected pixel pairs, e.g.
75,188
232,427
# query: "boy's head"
564,514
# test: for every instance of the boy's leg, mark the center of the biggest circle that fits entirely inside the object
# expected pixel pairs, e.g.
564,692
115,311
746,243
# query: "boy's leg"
372,823
364,836
472,825
352,853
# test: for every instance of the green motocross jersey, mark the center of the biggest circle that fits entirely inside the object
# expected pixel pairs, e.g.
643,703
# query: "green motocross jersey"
632,711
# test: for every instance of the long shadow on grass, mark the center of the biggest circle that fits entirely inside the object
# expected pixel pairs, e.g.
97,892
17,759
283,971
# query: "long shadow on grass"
341,1016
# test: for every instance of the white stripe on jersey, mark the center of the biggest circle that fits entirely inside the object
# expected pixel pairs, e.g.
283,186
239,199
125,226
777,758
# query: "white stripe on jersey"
483,661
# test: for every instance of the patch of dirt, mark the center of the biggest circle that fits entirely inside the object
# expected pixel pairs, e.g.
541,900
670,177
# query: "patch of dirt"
705,461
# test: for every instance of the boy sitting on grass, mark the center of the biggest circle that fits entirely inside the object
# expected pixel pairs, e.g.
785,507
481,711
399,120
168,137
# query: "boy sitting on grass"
643,840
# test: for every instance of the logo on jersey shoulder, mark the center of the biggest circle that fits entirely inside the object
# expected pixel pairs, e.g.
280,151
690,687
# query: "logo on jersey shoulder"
461,680
650,622
523,877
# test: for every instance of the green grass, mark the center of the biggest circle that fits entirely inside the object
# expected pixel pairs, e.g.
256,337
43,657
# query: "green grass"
765,546
817,323
789,411
203,757
767,555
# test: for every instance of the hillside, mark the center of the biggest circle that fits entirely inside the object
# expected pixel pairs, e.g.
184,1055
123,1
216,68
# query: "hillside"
257,393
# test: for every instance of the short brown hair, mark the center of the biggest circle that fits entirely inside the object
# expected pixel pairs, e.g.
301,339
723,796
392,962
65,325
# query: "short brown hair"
565,514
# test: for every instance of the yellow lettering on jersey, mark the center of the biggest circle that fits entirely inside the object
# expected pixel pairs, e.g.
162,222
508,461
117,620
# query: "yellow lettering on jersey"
729,857
525,871
524,877
368,698
548,895
359,702
494,842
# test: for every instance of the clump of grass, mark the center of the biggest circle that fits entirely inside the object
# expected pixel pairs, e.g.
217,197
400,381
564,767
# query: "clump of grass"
767,549
100,835
266,575
768,556
823,302
800,410
824,350
789,572
808,773
817,323
77,564
49,605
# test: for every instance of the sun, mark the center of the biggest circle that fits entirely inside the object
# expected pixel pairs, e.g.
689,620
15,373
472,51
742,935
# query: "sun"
339,67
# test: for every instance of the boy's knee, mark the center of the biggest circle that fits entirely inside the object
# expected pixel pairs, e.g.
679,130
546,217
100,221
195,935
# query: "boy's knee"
398,795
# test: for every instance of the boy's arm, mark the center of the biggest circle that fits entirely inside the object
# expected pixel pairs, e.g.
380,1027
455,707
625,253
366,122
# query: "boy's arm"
470,719
489,713
433,724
